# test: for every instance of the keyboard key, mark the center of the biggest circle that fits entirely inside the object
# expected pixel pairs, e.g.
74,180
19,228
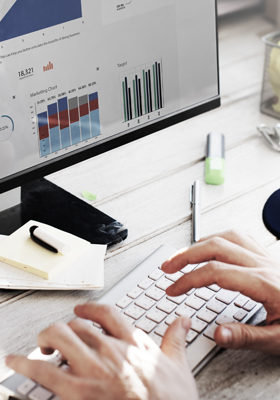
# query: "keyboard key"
40,394
206,315
188,268
166,306
163,283
145,302
185,311
210,331
146,283
177,299
191,335
171,318
124,302
174,277
156,315
26,387
161,329
194,302
204,293
250,305
241,300
226,296
156,274
224,319
216,306
155,293
146,325
199,350
156,338
214,287
198,325
134,312
129,320
190,292
134,293
240,314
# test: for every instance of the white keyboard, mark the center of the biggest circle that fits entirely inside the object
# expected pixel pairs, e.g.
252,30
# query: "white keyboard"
141,297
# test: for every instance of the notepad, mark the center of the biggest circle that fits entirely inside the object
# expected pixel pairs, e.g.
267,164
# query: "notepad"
86,273
21,252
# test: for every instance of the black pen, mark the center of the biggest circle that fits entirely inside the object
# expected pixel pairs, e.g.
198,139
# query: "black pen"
48,241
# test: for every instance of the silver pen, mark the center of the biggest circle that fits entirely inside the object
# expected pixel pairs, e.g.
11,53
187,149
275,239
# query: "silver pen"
195,199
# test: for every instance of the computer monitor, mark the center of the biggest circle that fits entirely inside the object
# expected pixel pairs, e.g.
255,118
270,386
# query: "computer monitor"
81,77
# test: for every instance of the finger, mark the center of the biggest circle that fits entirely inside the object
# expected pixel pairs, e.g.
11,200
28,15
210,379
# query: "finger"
109,318
215,248
240,239
46,374
241,336
106,346
61,337
174,340
231,277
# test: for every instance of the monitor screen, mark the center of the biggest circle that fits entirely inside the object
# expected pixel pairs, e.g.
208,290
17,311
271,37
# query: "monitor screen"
80,77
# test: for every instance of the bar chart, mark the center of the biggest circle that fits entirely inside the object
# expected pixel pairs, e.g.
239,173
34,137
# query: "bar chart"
142,90
68,122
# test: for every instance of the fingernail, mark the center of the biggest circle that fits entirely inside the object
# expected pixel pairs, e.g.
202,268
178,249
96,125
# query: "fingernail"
226,335
9,359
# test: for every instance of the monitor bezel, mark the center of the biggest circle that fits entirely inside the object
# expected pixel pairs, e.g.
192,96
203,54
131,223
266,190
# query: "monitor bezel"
49,167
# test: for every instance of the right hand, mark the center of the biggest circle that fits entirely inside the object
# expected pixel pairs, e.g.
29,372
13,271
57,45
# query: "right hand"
235,262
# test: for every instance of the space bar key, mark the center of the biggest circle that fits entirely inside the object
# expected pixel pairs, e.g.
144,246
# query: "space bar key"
197,351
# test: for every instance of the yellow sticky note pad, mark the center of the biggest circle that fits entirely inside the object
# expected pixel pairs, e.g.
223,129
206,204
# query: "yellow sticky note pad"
20,251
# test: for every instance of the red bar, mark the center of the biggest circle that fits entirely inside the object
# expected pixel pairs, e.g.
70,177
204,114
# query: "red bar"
93,104
84,110
43,132
53,121
74,115
64,119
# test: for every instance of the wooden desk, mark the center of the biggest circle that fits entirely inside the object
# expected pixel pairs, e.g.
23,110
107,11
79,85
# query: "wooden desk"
151,178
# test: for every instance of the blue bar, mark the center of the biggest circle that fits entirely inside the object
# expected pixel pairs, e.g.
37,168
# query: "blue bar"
43,119
85,127
45,147
75,132
55,139
52,109
95,123
65,138
63,104
93,96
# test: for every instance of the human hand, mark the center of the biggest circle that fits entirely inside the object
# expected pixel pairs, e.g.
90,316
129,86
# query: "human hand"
236,262
124,364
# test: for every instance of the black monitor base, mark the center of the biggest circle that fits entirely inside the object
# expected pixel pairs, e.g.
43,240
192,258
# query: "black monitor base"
45,202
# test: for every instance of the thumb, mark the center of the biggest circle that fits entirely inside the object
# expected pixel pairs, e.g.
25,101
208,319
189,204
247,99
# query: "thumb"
174,340
241,336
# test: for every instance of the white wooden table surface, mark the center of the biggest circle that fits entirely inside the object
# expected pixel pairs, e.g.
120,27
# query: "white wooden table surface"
146,186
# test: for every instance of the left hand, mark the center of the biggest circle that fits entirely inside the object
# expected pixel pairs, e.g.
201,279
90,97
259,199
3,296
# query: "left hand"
125,365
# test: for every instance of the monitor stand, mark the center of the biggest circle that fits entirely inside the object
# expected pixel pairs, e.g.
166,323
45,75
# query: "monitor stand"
45,202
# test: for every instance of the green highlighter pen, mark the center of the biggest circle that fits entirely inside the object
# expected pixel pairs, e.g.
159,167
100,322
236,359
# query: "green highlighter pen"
215,163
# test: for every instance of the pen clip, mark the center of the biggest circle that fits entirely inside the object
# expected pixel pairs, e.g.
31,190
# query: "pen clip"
191,195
